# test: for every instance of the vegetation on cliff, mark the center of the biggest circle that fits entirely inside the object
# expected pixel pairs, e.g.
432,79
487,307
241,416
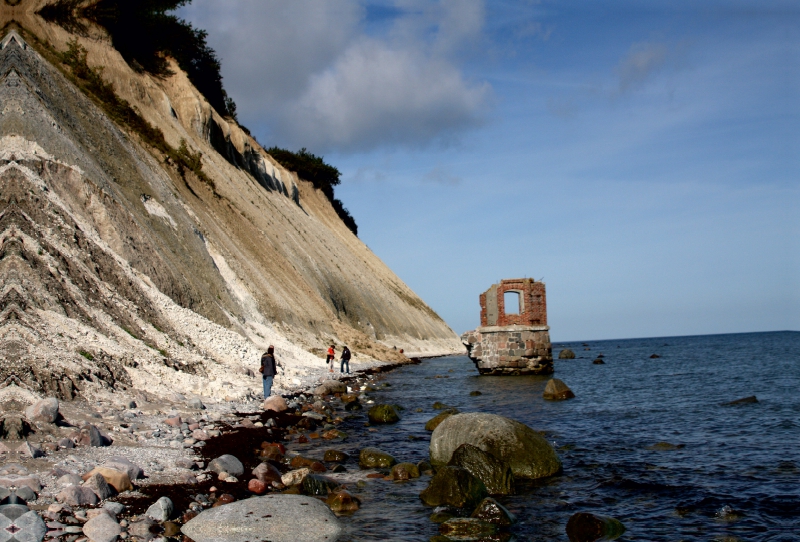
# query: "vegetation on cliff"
323,176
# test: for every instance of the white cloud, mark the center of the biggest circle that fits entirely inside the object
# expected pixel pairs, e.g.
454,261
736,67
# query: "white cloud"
310,73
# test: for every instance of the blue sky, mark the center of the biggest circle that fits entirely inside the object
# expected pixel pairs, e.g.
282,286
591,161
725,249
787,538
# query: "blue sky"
641,157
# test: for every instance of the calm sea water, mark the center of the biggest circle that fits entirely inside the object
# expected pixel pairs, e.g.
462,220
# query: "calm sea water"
735,474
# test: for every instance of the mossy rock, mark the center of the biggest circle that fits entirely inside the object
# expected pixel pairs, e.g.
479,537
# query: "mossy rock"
405,471
383,414
467,527
316,484
527,452
335,456
494,473
454,486
434,422
373,458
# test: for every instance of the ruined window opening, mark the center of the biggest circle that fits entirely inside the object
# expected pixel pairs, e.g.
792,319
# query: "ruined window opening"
511,302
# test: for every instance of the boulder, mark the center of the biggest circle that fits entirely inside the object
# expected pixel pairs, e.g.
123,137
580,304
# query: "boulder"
161,510
491,511
69,479
227,463
24,480
743,401
454,486
342,502
434,422
383,414
599,361
45,410
585,527
278,518
556,390
373,458
102,528
123,464
566,354
469,528
267,473
141,528
330,387
90,436
336,456
527,452
117,479
404,471
276,403
77,496
98,484
495,474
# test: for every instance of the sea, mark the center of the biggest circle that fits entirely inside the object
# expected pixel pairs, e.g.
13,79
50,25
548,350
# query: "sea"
653,442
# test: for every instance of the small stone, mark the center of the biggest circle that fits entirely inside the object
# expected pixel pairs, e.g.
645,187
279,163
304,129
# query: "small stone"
173,421
341,501
294,477
466,527
267,473
475,393
90,436
370,458
654,356
196,403
404,471
257,486
227,463
335,456
161,510
491,511
383,414
599,361
585,527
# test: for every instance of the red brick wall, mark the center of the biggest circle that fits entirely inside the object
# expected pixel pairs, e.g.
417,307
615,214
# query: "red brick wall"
532,298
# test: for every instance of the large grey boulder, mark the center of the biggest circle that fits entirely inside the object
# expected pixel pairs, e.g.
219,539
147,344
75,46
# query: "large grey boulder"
45,410
278,518
227,463
527,452
495,474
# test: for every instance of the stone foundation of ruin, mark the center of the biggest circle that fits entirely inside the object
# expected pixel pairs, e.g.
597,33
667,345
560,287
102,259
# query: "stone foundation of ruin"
510,350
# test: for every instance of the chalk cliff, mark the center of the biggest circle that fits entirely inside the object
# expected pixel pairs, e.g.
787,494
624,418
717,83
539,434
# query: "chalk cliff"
124,270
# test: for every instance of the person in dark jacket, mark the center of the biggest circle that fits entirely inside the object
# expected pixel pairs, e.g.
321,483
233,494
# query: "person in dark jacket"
269,368
345,360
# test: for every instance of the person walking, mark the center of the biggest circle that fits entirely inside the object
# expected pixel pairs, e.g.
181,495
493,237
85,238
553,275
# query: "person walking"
268,370
345,360
331,357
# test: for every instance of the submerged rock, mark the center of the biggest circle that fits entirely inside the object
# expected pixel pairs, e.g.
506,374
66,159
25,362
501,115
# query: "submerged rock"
491,511
566,354
743,401
585,527
527,452
467,527
383,414
278,518
341,501
404,471
434,422
371,458
454,486
556,390
495,474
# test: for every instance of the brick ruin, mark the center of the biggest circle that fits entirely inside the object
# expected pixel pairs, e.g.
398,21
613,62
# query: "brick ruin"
513,338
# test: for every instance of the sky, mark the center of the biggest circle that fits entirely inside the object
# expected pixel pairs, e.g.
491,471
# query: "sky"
640,157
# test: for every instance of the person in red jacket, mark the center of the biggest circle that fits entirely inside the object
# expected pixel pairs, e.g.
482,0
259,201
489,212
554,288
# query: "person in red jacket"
331,357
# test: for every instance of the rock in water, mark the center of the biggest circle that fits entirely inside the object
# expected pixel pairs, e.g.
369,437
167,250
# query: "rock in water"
496,475
383,414
566,354
585,527
556,390
742,401
330,387
335,456
527,452
372,458
404,471
342,502
434,422
454,486
278,518
491,511
316,484
467,528
227,463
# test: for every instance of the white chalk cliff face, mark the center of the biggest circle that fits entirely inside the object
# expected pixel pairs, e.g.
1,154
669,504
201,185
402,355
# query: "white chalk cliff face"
121,272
